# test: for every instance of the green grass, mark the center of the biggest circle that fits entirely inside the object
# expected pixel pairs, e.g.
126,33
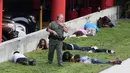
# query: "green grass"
117,39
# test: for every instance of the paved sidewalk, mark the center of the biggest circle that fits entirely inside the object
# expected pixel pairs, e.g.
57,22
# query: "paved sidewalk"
123,68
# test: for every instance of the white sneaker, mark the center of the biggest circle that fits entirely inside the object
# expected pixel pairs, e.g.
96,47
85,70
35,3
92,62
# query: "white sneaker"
95,47
112,52
90,51
72,36
84,36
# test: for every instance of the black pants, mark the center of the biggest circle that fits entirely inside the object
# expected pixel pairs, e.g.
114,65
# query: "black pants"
23,61
91,49
55,45
76,47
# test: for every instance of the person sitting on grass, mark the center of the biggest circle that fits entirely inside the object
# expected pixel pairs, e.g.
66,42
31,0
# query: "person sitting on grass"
22,59
68,57
92,49
42,45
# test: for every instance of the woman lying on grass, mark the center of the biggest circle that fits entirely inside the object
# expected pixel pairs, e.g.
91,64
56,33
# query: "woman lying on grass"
68,57
42,45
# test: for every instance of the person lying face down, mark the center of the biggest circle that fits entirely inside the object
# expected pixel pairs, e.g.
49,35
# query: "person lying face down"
105,22
42,45
91,29
80,32
21,59
68,57
91,25
92,49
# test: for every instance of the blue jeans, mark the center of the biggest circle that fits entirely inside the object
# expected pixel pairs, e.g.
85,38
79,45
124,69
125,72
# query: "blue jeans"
82,48
96,61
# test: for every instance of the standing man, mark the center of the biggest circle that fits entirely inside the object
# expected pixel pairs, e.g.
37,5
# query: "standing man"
56,29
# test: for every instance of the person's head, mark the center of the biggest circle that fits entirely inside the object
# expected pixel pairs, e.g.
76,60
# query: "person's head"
66,56
16,52
77,58
99,8
78,33
42,43
60,18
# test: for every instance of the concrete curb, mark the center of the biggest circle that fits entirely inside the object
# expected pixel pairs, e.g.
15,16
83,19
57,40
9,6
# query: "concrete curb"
123,68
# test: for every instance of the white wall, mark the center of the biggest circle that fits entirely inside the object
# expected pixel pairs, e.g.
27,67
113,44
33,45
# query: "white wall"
29,42
23,44
112,13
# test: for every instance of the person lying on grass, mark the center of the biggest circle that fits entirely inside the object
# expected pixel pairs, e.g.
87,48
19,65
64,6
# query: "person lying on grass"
79,33
89,30
92,49
68,57
21,59
42,45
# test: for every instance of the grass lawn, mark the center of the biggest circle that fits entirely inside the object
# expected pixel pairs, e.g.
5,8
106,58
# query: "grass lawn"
117,39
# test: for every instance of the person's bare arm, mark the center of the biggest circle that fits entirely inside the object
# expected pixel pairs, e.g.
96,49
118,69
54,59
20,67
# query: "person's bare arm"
65,29
63,26
50,30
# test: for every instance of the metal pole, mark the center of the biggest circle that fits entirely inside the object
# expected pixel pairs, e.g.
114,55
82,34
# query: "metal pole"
40,17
